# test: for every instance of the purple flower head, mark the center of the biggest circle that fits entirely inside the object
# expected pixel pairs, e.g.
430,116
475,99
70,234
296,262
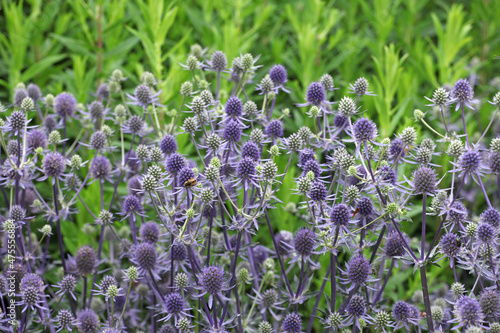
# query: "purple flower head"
357,306
340,121
88,321
65,104
250,150
365,206
491,216
219,61
143,95
134,186
490,302
458,213
174,303
16,123
19,96
275,129
98,140
306,155
278,75
103,91
150,233
53,164
494,162
175,163
185,174
486,233
232,131
318,191
131,205
358,270
387,174
246,168
468,312
65,319
100,167
394,245
36,139
312,165
17,213
462,91
178,252
144,255
234,107
340,215
397,148
86,260
31,280
34,92
106,282
403,312
449,245
470,161
135,124
96,110
364,130
316,93
424,180
212,279
304,241
50,123
292,323
168,144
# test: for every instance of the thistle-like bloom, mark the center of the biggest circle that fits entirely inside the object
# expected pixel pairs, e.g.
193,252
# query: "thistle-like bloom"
65,104
292,323
278,74
36,139
53,164
168,145
462,93
175,163
234,107
274,129
67,285
364,130
132,206
32,292
144,97
145,257
467,313
424,180
100,168
250,150
449,245
85,260
213,282
489,300
395,245
88,321
150,232
491,216
175,306
358,271
404,315
65,320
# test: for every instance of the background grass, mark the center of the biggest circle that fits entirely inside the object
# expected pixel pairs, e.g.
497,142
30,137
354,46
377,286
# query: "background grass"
405,49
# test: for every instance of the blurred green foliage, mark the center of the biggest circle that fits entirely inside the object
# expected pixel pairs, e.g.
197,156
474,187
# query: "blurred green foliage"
405,49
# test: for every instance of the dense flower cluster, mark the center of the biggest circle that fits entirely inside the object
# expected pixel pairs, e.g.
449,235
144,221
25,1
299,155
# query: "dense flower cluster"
163,227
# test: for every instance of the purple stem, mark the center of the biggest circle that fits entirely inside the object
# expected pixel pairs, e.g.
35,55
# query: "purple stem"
276,248
311,319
